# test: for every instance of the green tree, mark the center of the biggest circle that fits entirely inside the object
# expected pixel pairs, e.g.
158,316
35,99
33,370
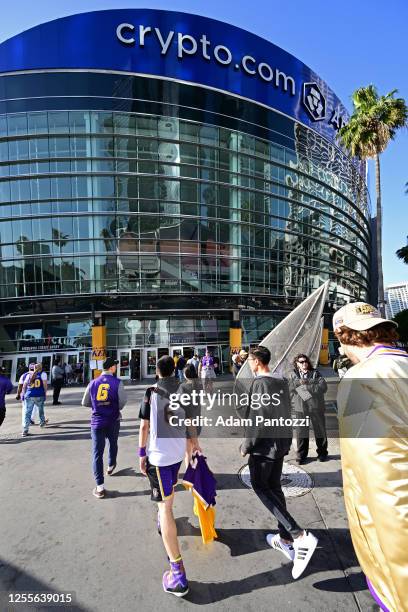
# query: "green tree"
402,253
402,319
374,123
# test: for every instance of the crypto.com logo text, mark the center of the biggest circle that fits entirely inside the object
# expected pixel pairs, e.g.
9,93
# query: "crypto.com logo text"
187,45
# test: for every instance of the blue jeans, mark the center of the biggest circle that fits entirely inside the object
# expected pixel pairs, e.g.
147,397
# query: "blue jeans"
98,446
28,406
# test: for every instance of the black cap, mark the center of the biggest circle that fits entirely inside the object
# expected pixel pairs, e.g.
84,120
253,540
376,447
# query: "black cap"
109,362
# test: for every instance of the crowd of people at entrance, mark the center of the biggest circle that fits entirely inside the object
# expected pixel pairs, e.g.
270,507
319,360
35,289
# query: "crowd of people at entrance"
207,367
375,491
374,463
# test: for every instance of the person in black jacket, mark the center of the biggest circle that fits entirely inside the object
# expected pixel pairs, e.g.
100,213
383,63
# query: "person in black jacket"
191,383
180,365
267,447
307,388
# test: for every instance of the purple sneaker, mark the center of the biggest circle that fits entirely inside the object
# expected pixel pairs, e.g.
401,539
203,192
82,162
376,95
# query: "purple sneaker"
175,579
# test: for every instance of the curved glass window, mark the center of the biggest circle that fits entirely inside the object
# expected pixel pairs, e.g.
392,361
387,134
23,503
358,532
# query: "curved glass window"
99,201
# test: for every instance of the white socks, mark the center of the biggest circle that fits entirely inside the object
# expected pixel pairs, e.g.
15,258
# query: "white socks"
100,488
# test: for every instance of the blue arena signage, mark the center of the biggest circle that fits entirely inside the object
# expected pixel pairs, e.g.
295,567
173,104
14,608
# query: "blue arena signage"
187,45
182,47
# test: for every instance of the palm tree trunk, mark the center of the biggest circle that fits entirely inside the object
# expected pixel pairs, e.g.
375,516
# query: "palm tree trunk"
381,303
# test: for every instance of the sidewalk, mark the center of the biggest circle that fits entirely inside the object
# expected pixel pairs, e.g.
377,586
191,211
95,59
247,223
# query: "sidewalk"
57,537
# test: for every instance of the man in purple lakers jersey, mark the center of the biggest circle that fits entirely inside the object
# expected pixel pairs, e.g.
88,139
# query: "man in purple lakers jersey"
106,396
34,392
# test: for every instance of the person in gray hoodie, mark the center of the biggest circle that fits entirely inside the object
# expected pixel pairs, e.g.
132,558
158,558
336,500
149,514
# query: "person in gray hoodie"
267,446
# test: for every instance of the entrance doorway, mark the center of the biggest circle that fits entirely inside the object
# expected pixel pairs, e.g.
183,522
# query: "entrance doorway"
135,363
16,365
124,364
151,356
189,351
79,362
72,359
129,364
200,351
47,364
7,364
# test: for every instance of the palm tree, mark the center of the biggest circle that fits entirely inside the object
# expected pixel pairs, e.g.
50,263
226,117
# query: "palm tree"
402,253
373,124
59,238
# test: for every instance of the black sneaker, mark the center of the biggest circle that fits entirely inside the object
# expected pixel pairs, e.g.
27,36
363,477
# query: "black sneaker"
323,458
25,434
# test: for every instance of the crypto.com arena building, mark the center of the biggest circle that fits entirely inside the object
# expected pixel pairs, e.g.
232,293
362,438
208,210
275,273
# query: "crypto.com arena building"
165,177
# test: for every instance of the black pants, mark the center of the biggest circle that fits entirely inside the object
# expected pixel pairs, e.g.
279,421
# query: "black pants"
318,421
2,414
266,482
57,386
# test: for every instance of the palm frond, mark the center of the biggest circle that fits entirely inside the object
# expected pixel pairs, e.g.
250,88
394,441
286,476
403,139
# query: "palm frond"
374,122
403,254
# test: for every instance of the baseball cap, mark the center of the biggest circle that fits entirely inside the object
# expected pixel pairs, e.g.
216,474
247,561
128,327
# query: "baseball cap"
109,362
359,316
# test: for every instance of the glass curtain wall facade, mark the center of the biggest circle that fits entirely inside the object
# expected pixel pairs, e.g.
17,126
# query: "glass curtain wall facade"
157,195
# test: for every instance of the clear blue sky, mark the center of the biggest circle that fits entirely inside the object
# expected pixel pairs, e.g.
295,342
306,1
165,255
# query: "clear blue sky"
349,43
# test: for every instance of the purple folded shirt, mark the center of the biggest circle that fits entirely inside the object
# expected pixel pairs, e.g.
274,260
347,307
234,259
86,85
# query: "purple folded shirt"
202,480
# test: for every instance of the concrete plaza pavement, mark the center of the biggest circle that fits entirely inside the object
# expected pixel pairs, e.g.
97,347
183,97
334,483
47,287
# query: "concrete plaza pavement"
56,537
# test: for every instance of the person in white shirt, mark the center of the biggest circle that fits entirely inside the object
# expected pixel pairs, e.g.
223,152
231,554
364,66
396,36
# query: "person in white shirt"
195,361
57,375
162,447
68,373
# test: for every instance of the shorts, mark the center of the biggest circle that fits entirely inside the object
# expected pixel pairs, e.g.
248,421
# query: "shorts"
162,480
208,374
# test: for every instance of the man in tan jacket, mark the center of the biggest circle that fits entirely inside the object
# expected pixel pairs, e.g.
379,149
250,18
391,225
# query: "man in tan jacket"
373,418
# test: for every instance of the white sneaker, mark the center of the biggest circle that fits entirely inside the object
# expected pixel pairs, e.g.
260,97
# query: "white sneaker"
275,542
304,547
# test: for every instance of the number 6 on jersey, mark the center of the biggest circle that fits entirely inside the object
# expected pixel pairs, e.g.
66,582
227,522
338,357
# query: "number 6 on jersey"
102,393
